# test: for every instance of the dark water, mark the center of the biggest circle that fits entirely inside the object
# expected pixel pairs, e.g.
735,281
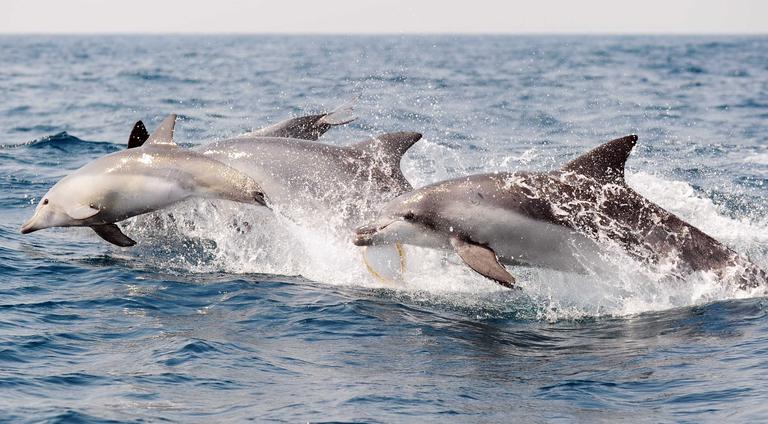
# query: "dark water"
205,326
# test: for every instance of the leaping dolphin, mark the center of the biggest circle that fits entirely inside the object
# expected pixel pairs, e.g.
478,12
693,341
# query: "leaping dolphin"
553,220
136,181
301,177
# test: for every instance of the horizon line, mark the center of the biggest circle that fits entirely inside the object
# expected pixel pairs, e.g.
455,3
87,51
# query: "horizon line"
394,33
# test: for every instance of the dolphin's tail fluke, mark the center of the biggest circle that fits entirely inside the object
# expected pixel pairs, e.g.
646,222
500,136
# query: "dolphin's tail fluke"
309,127
343,114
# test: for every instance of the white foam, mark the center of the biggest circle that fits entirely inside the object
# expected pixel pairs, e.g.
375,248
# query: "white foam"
759,158
681,199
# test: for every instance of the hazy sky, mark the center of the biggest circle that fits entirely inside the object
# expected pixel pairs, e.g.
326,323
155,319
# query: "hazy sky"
378,16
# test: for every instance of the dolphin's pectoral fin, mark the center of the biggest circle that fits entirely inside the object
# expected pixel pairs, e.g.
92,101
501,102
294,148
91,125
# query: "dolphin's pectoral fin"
163,135
483,260
604,163
138,135
112,234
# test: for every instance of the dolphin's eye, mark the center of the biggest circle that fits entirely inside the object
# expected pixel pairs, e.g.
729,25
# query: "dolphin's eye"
45,201
408,216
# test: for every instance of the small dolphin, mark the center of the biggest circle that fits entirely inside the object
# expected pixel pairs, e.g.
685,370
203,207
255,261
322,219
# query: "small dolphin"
136,181
558,220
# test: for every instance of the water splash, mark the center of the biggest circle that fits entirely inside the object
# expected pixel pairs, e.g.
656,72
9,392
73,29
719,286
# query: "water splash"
204,237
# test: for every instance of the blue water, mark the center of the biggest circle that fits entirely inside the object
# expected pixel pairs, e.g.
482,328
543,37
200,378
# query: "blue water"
205,326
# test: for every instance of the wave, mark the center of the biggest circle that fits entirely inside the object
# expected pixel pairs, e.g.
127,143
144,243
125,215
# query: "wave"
66,142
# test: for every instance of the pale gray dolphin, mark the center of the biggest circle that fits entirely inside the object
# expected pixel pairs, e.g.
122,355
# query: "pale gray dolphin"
136,181
304,177
555,220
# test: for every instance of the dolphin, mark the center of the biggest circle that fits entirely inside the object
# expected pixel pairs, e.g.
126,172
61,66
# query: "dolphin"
563,219
144,178
307,127
301,177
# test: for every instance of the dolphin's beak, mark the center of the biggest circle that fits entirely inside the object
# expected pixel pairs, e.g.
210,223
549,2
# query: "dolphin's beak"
364,235
29,226
260,199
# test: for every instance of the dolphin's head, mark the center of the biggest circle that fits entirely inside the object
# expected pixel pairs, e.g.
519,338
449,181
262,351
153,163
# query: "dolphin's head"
406,220
54,210
385,230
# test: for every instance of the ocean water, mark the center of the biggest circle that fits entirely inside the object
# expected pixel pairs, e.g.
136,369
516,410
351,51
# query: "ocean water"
204,324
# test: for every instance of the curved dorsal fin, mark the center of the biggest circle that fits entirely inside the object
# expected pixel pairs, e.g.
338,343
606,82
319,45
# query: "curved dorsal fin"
163,135
391,144
604,163
383,155
138,135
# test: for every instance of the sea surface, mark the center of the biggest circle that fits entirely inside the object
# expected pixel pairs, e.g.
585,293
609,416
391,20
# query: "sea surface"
205,324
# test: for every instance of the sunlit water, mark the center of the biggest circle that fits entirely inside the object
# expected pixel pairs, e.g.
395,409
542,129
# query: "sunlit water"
202,322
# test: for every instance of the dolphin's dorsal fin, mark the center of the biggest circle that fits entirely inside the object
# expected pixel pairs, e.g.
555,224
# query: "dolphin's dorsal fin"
382,155
138,135
163,135
604,163
393,145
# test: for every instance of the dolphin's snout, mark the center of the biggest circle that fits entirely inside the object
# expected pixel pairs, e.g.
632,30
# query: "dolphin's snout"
367,234
259,198
29,226
364,235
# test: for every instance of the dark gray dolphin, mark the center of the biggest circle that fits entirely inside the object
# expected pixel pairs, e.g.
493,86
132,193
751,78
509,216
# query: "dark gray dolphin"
557,219
137,181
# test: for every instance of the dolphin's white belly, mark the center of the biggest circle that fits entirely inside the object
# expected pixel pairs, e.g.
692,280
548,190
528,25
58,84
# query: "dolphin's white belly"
137,194
517,238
